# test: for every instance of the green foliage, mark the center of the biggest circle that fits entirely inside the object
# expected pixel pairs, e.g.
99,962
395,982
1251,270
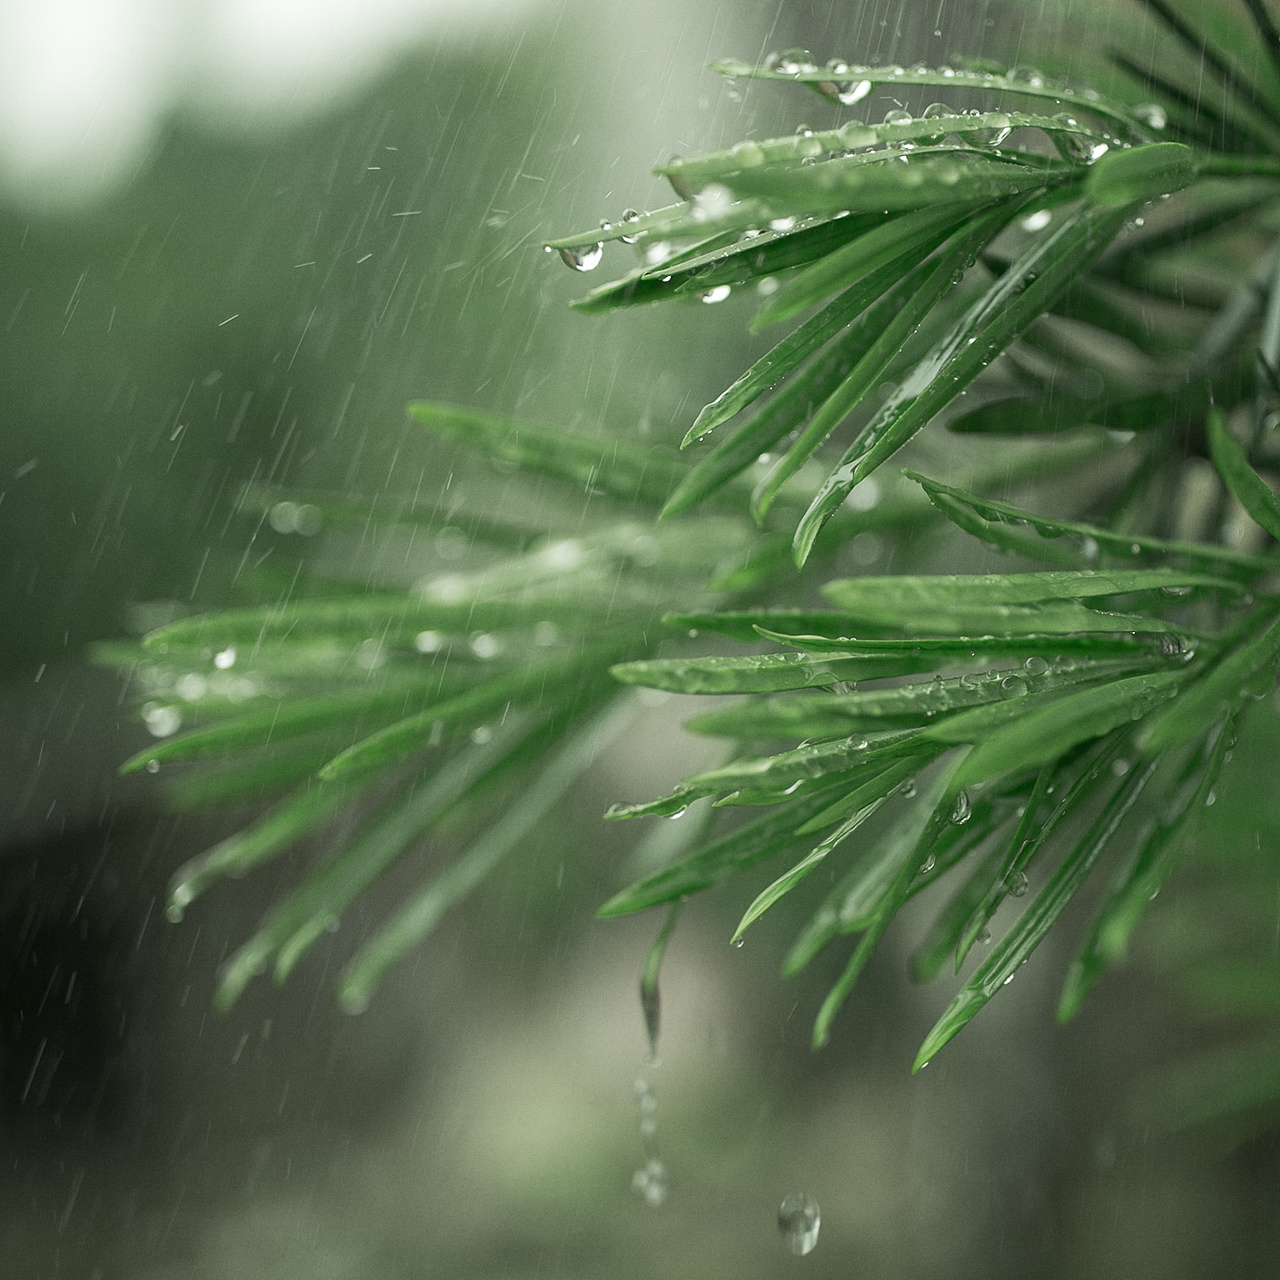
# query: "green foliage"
1016,728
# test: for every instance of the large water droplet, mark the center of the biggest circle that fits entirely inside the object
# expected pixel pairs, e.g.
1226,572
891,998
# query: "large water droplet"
1035,666
584,257
1025,75
1020,885
898,117
962,811
718,294
1152,114
799,1220
1013,687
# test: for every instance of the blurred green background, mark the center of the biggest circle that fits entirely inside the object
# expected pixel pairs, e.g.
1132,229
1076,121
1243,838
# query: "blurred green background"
236,238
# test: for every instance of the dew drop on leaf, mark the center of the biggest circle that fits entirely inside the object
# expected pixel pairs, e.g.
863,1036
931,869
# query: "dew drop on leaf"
962,810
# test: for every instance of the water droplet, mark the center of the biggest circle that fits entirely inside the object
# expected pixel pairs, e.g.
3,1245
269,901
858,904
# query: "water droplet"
1170,645
1211,798
1120,767
174,913
961,812
485,646
935,110
845,94
1013,687
162,721
1020,885
988,137
1037,221
908,788
1025,75
628,217
984,938
782,224
225,659
799,1220
679,813
928,864
429,641
898,117
793,62
651,1183
584,257
1151,114
737,942
718,294
153,766
1035,666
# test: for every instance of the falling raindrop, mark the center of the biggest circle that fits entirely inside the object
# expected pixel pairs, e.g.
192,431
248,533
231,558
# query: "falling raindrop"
651,1183
799,1220
583,257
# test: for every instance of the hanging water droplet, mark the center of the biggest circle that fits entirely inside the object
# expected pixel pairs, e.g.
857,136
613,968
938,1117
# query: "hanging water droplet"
737,942
844,94
584,257
799,1220
1035,666
961,812
984,938
928,864
153,766
718,294
679,813
1020,885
